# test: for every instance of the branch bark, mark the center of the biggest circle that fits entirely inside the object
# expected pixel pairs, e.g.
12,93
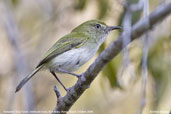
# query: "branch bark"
72,95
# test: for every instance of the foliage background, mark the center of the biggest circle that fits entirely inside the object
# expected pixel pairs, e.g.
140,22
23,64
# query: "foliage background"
36,24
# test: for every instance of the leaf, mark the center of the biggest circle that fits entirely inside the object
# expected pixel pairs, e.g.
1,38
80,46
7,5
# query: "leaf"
159,64
103,6
81,4
110,71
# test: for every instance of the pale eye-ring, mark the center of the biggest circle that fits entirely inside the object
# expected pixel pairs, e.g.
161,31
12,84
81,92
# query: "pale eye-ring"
98,26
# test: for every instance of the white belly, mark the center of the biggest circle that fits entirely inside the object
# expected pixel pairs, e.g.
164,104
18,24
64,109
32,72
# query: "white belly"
72,60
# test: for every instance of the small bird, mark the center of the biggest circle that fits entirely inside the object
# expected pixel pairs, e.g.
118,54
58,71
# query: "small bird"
73,50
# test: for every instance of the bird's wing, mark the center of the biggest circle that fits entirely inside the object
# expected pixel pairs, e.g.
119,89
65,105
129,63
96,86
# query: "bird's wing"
66,43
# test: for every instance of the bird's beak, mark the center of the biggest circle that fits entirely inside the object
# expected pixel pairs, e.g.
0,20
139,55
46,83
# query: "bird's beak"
110,28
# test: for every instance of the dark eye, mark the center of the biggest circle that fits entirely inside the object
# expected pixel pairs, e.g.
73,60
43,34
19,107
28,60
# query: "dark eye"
97,26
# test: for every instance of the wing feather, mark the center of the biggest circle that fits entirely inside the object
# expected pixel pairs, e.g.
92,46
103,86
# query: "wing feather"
66,43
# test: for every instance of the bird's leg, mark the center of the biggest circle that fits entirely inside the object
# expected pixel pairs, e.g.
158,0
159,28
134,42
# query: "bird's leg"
64,71
53,73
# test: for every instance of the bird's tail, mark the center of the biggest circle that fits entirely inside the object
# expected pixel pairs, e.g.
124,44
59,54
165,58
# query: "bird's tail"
21,84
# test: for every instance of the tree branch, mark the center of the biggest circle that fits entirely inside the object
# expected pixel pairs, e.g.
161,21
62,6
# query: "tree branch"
65,103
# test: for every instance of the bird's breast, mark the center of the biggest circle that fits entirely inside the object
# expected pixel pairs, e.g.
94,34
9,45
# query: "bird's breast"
72,59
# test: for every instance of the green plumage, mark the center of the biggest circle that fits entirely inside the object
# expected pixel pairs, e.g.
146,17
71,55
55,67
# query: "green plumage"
66,43
73,50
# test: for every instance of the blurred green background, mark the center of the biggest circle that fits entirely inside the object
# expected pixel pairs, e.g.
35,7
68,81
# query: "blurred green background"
28,28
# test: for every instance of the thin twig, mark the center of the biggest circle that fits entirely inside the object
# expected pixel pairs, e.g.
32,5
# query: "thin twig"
20,63
144,61
58,94
127,25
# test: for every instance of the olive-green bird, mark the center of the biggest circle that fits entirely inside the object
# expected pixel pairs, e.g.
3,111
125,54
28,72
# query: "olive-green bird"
73,50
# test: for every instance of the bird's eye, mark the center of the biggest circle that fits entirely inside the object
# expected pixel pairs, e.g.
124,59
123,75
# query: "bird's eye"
97,26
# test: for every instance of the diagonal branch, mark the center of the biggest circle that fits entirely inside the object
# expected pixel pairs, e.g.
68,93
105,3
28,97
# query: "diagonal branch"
66,102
